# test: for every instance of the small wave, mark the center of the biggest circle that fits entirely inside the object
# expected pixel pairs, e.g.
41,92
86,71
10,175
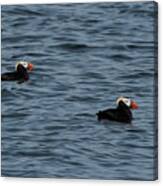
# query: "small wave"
31,54
22,38
91,75
55,128
137,75
75,46
25,11
121,57
84,114
141,13
81,99
92,21
138,46
118,47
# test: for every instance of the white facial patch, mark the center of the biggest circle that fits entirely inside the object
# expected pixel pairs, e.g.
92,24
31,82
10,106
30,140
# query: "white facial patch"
125,100
24,63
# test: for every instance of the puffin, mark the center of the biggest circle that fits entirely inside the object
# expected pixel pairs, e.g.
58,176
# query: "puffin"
20,74
121,114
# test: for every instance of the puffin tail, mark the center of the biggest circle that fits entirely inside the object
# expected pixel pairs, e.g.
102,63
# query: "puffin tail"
99,115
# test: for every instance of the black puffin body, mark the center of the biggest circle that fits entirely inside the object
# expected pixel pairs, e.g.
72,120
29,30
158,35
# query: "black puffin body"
121,114
20,75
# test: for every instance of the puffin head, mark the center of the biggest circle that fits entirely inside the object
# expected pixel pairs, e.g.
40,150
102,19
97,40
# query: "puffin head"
130,103
25,64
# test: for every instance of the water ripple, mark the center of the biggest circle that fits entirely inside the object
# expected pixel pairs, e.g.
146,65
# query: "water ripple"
85,56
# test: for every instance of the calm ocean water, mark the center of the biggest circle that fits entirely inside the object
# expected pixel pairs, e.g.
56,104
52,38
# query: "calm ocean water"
85,56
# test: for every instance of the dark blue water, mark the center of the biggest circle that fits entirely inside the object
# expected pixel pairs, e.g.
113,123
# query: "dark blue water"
85,56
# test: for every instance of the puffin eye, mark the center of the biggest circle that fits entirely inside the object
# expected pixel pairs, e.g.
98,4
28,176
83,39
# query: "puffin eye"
127,102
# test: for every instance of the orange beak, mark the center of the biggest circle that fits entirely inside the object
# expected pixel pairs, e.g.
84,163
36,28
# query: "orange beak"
30,67
134,105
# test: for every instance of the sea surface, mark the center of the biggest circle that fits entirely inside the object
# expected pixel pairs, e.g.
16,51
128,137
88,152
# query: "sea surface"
84,56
